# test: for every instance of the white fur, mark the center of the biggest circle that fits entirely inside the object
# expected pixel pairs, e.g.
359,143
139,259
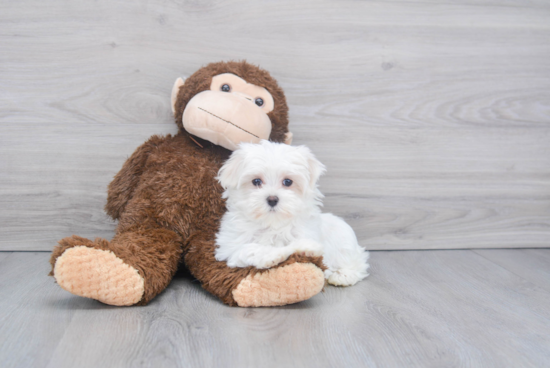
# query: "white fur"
254,234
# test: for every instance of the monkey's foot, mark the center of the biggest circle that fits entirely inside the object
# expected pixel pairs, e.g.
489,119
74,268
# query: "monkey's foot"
98,274
280,286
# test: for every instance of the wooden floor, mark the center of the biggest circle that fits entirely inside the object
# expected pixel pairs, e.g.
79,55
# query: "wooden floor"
444,308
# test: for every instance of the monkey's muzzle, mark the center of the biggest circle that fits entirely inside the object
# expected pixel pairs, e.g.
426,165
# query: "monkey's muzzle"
226,119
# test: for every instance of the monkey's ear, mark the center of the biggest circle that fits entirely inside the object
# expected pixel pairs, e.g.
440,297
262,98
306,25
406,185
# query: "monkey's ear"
288,138
177,84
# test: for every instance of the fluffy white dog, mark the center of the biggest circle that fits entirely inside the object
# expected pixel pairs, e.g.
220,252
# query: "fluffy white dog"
273,210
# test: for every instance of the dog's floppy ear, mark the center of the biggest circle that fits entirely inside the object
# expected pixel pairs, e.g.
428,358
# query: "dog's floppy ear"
230,173
315,167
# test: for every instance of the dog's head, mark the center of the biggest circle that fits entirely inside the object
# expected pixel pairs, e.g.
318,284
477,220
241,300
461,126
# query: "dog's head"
271,182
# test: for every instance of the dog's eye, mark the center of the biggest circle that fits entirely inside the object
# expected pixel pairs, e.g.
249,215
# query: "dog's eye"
287,182
257,182
226,88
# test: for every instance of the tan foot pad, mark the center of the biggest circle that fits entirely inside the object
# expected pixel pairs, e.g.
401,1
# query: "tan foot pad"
280,286
98,274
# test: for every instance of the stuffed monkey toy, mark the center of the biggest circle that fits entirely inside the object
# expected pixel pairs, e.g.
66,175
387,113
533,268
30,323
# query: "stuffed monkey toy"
168,202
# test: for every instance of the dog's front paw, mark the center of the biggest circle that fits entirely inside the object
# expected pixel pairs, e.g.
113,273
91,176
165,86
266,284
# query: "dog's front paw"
307,247
268,262
310,253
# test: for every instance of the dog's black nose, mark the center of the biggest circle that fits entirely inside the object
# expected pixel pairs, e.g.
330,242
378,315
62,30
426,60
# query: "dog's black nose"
272,201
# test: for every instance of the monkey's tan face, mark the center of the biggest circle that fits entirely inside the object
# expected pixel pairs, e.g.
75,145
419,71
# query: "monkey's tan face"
232,111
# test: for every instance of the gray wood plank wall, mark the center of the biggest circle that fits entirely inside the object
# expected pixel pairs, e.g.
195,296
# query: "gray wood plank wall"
433,117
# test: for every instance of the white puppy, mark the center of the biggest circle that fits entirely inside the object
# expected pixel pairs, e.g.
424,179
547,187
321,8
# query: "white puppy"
273,210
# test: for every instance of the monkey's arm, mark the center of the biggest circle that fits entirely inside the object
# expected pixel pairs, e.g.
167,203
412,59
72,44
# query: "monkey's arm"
125,182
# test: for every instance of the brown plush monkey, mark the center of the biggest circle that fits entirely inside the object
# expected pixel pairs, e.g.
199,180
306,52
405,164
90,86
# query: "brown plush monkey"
169,205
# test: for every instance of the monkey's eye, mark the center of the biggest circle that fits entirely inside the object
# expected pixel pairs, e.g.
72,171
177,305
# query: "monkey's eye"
287,182
257,182
226,88
259,102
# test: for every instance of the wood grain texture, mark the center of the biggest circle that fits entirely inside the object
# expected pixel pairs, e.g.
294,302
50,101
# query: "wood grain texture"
33,316
432,117
445,308
530,264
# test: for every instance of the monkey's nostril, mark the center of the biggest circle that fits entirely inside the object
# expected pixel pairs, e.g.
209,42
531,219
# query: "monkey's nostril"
272,201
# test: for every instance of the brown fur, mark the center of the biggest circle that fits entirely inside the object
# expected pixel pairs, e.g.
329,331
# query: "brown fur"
169,203
202,78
